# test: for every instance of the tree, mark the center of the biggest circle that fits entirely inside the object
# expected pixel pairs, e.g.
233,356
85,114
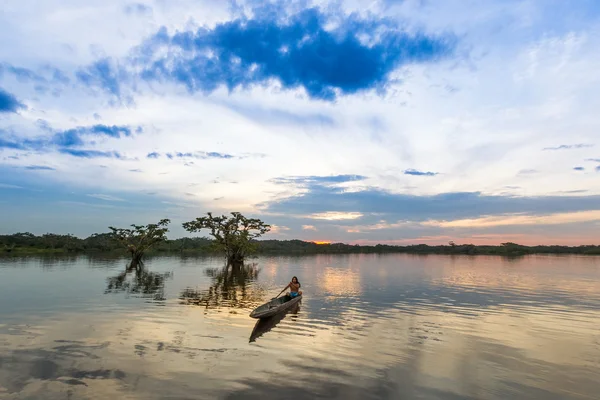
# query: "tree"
233,236
140,238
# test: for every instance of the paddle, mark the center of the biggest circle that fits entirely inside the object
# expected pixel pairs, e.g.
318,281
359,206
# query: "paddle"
279,293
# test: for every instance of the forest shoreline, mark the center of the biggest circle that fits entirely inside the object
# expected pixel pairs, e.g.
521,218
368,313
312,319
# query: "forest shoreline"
29,244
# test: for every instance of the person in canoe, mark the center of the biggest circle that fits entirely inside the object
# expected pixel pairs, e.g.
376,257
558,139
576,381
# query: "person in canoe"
294,286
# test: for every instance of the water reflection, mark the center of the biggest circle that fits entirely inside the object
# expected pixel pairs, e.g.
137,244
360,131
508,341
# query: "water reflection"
231,287
381,327
142,283
265,325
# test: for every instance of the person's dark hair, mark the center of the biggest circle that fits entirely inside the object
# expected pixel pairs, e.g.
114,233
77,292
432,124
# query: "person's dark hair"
299,284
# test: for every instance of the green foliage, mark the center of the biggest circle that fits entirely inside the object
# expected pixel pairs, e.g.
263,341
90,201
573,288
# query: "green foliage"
27,243
233,236
140,238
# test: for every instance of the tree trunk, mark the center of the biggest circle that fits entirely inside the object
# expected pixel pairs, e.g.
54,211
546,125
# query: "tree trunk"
235,260
136,259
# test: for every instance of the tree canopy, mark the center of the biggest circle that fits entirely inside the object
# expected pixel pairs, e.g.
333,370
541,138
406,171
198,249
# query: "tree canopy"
140,238
233,235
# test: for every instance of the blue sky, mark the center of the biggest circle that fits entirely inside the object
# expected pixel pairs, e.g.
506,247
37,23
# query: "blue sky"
356,121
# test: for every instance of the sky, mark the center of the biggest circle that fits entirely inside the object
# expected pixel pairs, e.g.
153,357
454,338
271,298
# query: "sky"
384,121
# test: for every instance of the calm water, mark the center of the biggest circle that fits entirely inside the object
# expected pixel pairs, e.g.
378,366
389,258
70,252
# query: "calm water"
369,327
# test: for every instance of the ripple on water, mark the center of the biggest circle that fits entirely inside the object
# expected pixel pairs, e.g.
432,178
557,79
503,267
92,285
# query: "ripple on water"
368,327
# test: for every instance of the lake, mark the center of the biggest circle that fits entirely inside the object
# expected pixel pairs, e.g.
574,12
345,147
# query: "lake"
368,327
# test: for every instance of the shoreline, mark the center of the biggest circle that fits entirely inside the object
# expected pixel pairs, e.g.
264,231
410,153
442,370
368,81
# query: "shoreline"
29,244
467,250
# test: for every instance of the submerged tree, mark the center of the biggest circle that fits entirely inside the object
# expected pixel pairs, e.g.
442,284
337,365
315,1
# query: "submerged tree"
140,238
233,235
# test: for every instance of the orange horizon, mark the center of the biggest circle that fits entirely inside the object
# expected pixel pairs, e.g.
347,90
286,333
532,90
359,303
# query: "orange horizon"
478,240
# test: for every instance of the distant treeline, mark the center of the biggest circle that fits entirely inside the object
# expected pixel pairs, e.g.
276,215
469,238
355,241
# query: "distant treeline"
27,243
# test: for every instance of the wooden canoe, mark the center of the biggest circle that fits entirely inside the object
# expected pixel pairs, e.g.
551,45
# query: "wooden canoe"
264,325
275,306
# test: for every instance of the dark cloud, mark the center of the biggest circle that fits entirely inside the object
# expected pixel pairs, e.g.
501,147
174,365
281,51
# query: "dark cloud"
9,103
202,155
419,173
39,168
91,153
316,180
447,206
579,168
66,141
105,75
199,155
10,144
570,146
295,49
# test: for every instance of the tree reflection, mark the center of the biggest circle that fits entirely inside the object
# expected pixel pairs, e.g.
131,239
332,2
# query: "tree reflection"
143,283
231,287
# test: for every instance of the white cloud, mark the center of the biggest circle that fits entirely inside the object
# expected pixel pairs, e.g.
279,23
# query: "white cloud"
335,216
511,220
478,120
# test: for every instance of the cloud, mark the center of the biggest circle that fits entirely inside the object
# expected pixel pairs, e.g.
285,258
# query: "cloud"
569,146
598,168
278,229
138,9
67,141
514,220
91,153
303,50
22,74
419,173
593,159
373,204
48,78
274,116
9,103
317,180
10,144
105,197
105,75
39,168
202,155
528,171
579,168
309,227
335,216
391,111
